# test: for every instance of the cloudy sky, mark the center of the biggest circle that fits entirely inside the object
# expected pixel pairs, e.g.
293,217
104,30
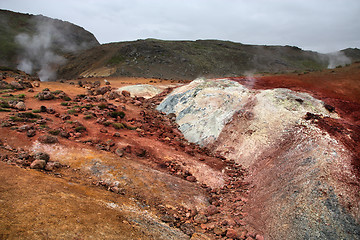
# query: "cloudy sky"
319,25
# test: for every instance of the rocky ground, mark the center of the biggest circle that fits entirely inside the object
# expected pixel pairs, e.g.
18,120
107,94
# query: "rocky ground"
239,158
81,160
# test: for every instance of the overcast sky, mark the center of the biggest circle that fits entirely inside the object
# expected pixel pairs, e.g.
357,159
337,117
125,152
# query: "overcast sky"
319,25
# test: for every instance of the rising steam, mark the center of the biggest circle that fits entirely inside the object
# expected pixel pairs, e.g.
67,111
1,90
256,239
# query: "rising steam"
338,59
40,49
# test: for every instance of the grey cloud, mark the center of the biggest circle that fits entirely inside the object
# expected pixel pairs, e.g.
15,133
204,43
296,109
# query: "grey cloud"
320,25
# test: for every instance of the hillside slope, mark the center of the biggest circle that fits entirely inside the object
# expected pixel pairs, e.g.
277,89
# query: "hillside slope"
28,42
188,59
153,58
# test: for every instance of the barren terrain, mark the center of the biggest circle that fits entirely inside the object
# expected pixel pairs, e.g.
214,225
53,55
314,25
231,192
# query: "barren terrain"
120,169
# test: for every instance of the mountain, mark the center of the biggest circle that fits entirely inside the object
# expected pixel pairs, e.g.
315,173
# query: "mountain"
34,42
188,59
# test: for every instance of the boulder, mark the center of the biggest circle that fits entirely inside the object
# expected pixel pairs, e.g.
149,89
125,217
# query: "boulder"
38,164
21,106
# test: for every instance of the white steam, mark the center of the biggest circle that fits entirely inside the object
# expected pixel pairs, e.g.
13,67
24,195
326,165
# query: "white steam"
40,49
250,79
337,59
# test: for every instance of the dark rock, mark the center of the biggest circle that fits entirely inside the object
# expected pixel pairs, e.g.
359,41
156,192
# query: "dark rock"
187,228
219,231
329,107
45,95
48,139
200,218
38,164
168,218
102,90
64,134
125,93
211,210
43,109
42,156
191,178
16,85
31,133
51,166
119,152
232,233
50,111
23,128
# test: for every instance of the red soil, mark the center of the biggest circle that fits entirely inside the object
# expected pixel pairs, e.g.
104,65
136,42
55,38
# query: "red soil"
339,88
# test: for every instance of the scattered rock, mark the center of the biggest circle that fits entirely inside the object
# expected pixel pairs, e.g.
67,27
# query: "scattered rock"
21,106
23,128
45,95
200,218
117,134
119,152
43,109
199,236
125,93
259,237
232,233
16,85
187,228
48,139
38,164
50,166
191,178
31,133
102,90
42,156
211,210
219,231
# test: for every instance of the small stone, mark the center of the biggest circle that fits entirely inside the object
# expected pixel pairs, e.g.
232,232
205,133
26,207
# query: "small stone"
50,166
117,134
199,236
48,139
259,237
38,164
21,106
187,228
125,93
232,233
31,133
191,178
211,210
42,156
45,95
119,152
200,218
219,231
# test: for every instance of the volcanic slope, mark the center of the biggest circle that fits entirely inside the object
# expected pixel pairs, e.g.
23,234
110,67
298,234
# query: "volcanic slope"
60,37
83,160
280,160
302,153
188,59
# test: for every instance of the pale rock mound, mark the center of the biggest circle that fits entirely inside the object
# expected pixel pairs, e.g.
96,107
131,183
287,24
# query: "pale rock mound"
303,183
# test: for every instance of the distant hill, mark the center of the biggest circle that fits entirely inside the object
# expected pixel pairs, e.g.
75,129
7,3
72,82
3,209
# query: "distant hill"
31,41
188,59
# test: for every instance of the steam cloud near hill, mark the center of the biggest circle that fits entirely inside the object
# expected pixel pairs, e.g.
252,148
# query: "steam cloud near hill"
40,49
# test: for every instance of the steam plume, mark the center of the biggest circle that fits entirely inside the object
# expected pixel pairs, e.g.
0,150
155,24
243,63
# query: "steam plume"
40,49
338,59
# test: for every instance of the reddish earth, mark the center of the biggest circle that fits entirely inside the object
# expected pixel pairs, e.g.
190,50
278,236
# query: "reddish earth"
176,189
180,184
339,88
